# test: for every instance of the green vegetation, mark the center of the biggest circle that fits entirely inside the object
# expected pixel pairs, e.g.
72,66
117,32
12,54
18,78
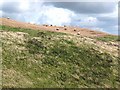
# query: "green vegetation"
31,32
42,59
108,38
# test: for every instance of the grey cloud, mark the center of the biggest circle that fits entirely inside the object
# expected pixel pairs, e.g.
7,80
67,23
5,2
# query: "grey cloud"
111,29
108,21
14,16
119,4
108,24
10,7
85,7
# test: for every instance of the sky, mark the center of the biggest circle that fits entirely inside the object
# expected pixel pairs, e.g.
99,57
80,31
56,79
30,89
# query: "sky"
102,16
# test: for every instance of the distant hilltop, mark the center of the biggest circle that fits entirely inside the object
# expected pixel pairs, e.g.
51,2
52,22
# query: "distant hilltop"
65,29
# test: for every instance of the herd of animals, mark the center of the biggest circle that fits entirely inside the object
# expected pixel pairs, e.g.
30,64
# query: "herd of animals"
65,29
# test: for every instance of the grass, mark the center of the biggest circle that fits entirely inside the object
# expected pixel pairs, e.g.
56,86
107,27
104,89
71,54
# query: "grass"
32,33
49,60
108,38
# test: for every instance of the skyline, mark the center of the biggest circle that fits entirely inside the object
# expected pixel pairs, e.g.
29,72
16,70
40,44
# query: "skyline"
102,16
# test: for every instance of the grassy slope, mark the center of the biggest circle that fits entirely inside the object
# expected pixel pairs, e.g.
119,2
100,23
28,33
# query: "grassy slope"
50,59
108,38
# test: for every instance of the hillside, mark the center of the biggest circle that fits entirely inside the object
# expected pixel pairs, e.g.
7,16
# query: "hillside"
67,29
40,58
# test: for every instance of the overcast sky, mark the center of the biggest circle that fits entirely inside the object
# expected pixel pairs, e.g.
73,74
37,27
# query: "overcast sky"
101,16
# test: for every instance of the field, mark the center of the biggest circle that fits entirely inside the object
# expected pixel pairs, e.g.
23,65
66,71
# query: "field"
45,59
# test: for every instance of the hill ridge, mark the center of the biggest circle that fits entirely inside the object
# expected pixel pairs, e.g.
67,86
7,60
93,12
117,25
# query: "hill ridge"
67,29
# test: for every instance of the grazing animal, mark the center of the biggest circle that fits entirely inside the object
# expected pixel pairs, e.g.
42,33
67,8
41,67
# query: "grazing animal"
45,25
74,29
57,28
64,25
65,28
78,33
8,17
